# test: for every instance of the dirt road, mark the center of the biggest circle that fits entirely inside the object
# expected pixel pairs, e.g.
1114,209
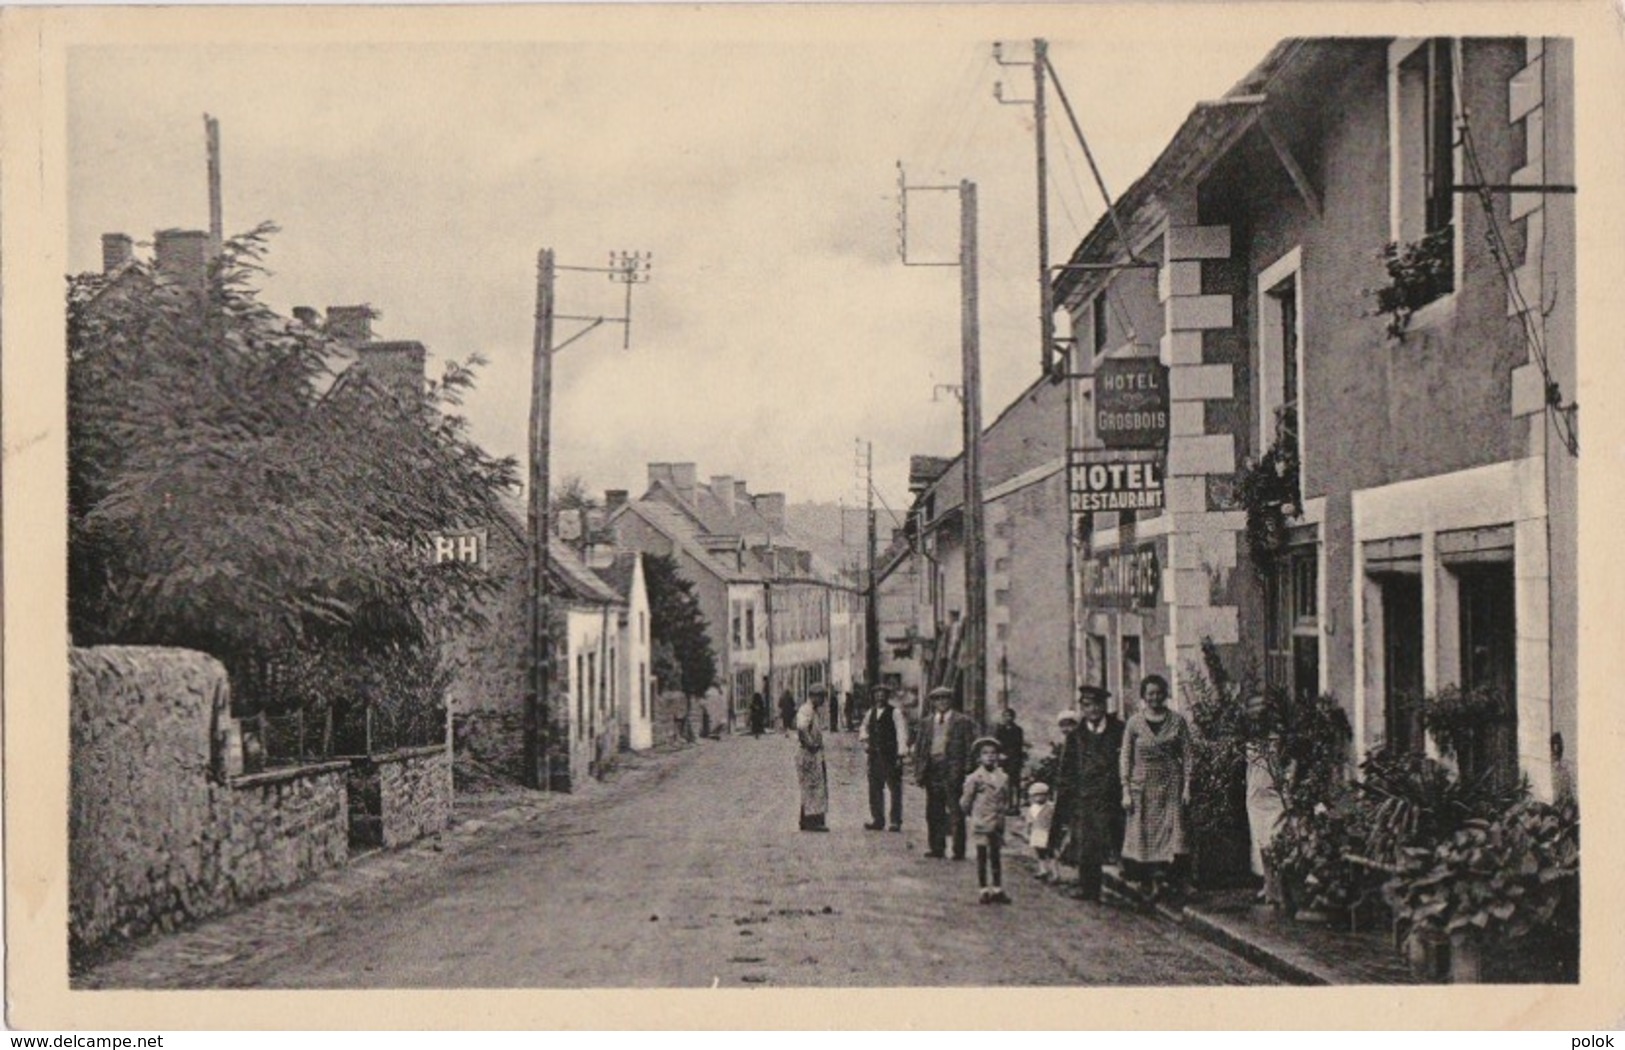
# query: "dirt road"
688,871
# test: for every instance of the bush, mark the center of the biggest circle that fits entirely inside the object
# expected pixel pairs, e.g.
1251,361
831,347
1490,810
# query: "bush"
1310,853
1511,881
1411,801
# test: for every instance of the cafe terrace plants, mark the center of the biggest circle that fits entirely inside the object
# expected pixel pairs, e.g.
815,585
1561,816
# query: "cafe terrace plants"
1505,891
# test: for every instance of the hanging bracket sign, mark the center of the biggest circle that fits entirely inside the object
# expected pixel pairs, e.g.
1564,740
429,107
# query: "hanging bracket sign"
1131,402
1111,480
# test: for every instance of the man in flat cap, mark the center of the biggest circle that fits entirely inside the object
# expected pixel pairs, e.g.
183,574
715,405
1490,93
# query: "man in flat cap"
942,758
1089,790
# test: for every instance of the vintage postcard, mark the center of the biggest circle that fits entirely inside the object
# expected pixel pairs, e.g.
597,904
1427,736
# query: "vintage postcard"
1096,515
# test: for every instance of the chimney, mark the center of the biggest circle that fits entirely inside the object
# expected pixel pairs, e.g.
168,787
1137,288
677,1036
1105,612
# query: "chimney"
307,316
741,493
183,258
660,472
770,505
397,366
117,249
683,477
353,324
614,499
722,487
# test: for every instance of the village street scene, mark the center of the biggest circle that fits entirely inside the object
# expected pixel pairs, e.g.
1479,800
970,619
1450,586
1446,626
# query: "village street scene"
993,533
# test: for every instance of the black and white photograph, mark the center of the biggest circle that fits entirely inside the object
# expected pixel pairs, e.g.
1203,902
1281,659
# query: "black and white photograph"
760,498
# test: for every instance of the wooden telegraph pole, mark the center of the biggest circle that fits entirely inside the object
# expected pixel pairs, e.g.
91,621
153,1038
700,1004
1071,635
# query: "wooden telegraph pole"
628,268
975,636
871,614
537,767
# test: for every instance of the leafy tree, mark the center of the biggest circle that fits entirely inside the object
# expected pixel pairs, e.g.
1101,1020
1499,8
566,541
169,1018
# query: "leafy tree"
675,620
231,491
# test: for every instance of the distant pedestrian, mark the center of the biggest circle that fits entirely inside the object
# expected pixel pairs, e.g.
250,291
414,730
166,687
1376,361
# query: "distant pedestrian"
834,712
811,777
884,734
1089,790
983,800
758,715
1040,821
942,758
1156,772
1012,754
787,711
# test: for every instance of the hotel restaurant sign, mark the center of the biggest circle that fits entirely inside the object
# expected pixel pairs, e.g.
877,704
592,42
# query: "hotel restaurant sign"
1104,480
1121,578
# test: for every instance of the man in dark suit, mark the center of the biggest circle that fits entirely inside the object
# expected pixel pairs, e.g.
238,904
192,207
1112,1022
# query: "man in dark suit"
942,758
1089,790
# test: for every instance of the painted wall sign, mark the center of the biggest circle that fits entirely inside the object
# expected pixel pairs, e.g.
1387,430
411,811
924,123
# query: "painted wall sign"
1117,480
1122,578
1131,402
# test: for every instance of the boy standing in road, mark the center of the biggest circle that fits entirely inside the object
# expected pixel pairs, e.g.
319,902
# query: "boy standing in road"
984,801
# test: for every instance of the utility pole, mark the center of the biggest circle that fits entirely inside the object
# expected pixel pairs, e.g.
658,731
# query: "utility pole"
973,637
975,547
211,130
625,267
537,766
871,615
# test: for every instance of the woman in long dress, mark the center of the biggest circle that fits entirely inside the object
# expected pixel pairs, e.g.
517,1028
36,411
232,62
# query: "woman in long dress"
810,775
1264,805
1156,771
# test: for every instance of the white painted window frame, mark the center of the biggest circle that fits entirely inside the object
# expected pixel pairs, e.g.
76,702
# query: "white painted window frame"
1270,351
1398,51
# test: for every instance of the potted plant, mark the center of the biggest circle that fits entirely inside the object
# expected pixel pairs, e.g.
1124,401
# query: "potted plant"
1268,491
1419,272
1503,890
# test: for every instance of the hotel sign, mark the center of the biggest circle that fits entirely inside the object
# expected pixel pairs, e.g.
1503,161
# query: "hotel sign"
1116,480
1123,578
1131,402
467,547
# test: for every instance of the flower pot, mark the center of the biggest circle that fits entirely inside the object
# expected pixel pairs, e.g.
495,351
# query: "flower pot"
1466,958
1425,953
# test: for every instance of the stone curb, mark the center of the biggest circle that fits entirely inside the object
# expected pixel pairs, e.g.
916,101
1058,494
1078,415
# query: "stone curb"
1292,967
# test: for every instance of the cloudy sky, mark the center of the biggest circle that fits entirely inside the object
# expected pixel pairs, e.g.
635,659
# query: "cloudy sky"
756,164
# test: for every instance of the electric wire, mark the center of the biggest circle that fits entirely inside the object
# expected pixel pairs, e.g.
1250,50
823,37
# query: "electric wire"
1532,328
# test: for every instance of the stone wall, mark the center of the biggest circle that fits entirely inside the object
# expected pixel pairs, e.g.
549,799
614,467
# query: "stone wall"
415,791
490,743
283,826
157,835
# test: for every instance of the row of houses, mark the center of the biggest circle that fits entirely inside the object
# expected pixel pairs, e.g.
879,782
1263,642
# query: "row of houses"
1357,268
779,617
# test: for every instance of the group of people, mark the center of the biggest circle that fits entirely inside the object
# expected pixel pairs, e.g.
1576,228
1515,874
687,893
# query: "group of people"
1121,789
758,714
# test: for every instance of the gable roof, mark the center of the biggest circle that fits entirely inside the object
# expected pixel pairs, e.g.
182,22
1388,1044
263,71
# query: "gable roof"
671,523
620,573
569,575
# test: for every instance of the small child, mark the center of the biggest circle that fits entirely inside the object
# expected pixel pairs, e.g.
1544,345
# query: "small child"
986,797
1040,816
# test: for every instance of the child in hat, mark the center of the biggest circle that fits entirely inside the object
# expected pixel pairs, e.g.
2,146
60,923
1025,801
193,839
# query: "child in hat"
986,797
1040,817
